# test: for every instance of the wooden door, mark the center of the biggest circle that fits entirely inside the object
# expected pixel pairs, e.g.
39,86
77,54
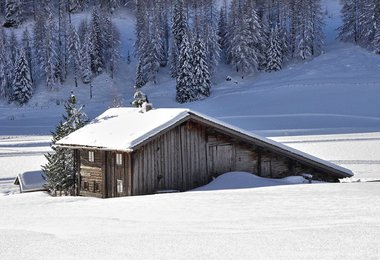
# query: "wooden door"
220,159
266,169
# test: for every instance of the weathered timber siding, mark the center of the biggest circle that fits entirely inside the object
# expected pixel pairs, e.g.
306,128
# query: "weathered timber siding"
228,154
90,174
175,160
115,173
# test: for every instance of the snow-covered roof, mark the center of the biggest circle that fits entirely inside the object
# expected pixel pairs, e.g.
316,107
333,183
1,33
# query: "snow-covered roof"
31,181
122,129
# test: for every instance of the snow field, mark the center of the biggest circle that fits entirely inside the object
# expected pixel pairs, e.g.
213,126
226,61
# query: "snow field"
306,221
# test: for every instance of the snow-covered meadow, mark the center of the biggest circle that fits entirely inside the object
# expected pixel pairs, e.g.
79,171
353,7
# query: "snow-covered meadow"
305,221
328,107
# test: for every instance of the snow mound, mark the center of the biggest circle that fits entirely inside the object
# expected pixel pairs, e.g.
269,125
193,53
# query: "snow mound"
244,180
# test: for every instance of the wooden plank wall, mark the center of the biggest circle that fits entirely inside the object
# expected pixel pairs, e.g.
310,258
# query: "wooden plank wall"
91,174
116,172
180,159
175,160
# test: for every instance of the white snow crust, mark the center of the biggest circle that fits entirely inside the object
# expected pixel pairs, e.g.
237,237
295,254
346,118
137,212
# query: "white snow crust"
123,128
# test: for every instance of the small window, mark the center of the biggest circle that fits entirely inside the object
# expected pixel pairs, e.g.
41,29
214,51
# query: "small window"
119,186
91,156
119,159
86,185
96,186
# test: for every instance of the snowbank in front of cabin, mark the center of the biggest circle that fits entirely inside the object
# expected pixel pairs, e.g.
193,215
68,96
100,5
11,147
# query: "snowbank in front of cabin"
244,180
326,221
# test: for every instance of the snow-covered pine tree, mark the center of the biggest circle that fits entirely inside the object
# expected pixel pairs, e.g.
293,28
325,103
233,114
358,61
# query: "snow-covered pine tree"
97,42
309,35
11,44
85,58
173,59
142,44
243,51
185,91
3,74
60,168
39,36
222,31
111,42
179,31
201,75
22,83
50,59
274,53
316,23
74,53
28,50
62,40
179,25
349,31
140,79
12,48
12,13
210,35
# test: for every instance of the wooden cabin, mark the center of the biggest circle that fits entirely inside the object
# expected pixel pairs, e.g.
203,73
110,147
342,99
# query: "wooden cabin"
126,152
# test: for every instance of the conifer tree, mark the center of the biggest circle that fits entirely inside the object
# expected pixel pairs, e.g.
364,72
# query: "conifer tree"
86,59
210,36
244,52
222,31
28,50
60,168
140,79
22,83
201,75
274,53
185,91
179,30
96,50
74,53
3,74
50,59
349,31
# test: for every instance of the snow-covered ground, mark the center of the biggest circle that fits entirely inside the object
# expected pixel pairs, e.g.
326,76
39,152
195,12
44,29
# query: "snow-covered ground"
328,107
304,221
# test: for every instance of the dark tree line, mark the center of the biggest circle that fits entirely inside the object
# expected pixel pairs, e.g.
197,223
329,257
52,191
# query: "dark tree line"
250,35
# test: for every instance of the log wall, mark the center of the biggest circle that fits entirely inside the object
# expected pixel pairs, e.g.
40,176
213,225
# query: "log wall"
91,174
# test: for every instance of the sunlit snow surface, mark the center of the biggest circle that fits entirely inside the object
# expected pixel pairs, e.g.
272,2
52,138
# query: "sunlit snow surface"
303,221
